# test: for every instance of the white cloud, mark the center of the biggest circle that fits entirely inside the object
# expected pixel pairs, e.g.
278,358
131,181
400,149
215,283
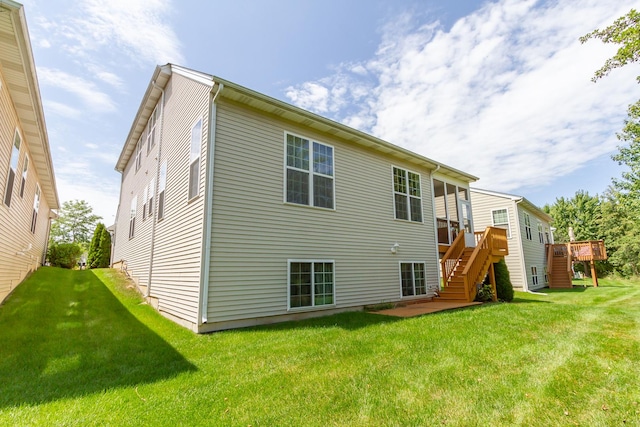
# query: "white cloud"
61,109
85,90
505,94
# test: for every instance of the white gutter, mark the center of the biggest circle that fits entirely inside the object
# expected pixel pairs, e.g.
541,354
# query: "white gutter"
155,189
208,209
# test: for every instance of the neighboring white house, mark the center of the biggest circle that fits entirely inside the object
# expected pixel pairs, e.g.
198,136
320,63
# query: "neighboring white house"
238,209
528,231
27,183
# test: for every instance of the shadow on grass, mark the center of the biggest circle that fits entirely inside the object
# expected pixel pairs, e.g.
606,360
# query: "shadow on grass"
575,289
352,320
64,335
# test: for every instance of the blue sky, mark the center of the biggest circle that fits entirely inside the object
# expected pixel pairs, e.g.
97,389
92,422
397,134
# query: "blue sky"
498,89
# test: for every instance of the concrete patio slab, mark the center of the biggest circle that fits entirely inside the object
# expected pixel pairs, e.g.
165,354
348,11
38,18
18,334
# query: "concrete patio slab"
419,309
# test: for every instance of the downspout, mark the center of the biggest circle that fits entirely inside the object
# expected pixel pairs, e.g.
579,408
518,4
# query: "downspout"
435,226
208,208
155,190
518,228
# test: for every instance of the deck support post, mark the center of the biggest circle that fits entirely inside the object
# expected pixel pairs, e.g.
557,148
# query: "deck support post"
594,275
492,280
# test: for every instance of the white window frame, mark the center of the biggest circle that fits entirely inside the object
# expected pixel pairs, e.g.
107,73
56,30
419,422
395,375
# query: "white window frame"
150,195
25,170
508,223
534,275
540,233
413,278
194,159
138,152
162,185
36,208
407,195
527,226
144,203
151,130
132,217
313,306
13,168
311,173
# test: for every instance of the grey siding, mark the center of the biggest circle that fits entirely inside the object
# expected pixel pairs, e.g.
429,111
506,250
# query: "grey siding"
533,250
254,232
483,204
20,250
177,252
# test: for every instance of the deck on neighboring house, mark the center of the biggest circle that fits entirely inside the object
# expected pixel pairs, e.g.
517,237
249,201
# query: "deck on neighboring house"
560,259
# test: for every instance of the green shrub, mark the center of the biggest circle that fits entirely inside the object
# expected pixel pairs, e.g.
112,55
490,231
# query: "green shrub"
485,293
65,255
104,250
504,288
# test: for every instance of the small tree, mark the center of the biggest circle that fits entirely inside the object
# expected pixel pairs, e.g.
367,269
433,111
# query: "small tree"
104,250
92,258
504,288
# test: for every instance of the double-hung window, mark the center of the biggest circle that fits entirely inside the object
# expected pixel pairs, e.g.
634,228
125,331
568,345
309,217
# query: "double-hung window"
412,278
139,153
194,159
162,184
132,217
534,275
144,203
309,178
25,168
407,195
151,130
540,233
311,283
527,226
152,189
500,218
36,207
13,169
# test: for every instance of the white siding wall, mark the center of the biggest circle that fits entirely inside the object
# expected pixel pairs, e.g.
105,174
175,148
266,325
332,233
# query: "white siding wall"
482,205
178,240
254,232
15,221
533,250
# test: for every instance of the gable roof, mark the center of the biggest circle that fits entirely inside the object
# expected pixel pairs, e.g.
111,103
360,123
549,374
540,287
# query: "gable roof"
19,71
275,107
518,200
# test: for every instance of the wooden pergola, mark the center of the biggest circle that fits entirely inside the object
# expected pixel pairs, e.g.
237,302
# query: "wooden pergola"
560,259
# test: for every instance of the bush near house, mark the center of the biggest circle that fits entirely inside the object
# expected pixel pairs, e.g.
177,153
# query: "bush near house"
65,255
504,288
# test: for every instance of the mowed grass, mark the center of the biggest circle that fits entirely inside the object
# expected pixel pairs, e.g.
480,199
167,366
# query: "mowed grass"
79,348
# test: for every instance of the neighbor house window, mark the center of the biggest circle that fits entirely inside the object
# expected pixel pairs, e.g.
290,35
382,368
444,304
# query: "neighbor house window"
139,153
25,168
144,204
162,184
132,217
500,218
151,130
13,169
152,189
534,275
309,173
540,233
412,278
194,160
311,283
36,207
527,226
407,196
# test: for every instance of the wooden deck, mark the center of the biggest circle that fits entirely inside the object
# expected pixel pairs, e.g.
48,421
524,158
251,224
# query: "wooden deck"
560,259
411,310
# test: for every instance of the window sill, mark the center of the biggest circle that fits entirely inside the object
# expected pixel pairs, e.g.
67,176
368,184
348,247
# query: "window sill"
312,308
310,207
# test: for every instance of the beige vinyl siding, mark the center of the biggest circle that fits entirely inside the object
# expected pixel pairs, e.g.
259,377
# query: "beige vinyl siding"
254,232
482,206
20,250
533,250
175,280
178,242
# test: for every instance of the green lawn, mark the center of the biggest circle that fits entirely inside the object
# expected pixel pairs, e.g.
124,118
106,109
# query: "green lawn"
79,348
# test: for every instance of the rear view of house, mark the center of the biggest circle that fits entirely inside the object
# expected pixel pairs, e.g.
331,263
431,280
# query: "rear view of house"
238,209
27,183
528,231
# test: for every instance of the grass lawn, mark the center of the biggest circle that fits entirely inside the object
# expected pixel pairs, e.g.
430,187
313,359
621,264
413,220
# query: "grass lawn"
79,348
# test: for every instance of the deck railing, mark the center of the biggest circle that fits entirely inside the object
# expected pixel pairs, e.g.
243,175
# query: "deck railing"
451,258
588,250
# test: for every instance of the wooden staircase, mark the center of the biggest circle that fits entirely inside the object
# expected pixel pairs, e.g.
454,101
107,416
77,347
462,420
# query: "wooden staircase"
463,268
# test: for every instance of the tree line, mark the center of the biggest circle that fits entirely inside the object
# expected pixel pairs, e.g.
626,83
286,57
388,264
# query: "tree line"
71,241
615,215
